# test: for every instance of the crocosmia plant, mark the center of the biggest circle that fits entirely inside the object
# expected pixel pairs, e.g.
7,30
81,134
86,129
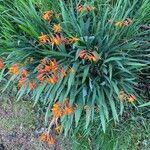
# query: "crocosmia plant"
79,60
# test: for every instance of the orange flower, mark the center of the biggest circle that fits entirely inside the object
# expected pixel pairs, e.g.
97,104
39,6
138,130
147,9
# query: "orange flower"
83,53
86,54
43,137
56,110
43,38
57,105
93,57
51,141
125,22
58,128
68,108
131,98
52,79
47,15
74,39
47,138
71,40
48,70
1,64
14,69
53,64
56,40
24,73
80,8
21,82
40,77
32,85
47,65
40,70
57,28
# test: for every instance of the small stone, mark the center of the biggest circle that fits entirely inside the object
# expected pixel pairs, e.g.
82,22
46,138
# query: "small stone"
38,131
2,147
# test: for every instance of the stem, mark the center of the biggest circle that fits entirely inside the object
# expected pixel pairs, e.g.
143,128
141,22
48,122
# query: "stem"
51,124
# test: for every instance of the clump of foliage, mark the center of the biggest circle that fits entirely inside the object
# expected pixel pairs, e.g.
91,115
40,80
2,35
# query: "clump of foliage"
86,52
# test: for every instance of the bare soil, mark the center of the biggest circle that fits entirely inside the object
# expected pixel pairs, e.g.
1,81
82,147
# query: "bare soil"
18,129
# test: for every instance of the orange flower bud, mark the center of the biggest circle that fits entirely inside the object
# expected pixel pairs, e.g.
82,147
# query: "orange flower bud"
57,28
1,64
51,141
43,38
32,85
47,15
58,128
56,40
14,69
40,77
131,98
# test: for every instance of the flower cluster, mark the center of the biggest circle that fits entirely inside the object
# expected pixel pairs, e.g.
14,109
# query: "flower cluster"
14,69
24,81
129,97
50,71
23,77
56,38
59,110
45,137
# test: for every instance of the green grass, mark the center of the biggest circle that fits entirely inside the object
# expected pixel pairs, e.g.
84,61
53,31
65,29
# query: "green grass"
17,115
132,133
